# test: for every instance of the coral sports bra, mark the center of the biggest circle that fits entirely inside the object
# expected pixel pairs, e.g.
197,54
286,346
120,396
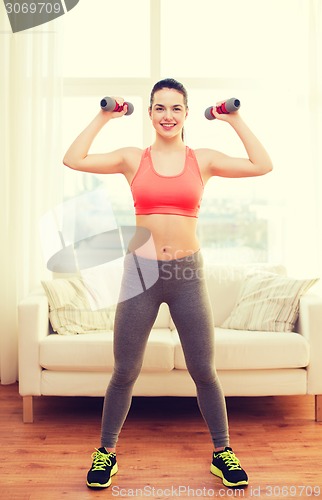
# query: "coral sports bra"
179,194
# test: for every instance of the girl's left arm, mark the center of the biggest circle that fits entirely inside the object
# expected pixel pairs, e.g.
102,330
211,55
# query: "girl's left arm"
257,163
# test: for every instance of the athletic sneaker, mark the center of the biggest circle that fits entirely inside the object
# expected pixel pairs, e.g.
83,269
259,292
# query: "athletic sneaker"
226,465
104,466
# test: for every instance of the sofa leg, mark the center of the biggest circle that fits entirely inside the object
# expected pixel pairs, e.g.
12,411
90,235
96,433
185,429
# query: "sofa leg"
318,407
27,409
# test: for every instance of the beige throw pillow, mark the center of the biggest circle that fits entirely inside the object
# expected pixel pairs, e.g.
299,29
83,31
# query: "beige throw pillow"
268,302
69,309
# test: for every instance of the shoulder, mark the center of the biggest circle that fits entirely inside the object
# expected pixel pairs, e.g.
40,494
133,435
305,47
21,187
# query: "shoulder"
131,154
211,162
131,157
206,159
131,161
205,156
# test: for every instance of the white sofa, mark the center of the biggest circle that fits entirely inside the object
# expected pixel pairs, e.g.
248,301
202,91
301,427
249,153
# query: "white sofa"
249,363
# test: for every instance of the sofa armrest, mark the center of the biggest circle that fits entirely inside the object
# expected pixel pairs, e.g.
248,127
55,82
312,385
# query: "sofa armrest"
33,326
310,326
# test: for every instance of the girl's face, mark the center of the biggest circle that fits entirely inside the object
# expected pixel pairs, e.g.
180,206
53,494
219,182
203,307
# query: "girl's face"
168,112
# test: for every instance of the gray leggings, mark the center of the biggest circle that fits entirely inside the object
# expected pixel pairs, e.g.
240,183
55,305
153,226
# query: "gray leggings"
146,284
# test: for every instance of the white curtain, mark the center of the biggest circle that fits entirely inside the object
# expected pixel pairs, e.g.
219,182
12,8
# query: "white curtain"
315,110
31,166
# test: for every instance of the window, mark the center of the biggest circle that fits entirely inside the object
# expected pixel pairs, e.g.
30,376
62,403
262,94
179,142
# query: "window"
103,40
253,50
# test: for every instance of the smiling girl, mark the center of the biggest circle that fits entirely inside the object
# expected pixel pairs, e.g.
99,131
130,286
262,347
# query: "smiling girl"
167,181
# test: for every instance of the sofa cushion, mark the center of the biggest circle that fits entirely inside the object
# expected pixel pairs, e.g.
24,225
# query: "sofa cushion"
94,352
69,308
242,350
268,302
225,282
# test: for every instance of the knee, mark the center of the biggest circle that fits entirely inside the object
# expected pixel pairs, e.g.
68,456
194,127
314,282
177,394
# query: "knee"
125,374
203,374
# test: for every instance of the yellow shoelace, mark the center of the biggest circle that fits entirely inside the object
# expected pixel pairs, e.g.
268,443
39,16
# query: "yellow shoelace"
101,460
230,460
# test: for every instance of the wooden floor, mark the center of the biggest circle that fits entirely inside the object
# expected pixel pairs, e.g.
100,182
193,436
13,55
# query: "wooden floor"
164,450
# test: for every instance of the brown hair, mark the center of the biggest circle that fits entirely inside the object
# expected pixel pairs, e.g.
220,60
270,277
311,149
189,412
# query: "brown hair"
169,83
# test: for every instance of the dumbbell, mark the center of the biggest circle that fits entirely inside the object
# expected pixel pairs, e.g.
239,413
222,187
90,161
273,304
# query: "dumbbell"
226,107
109,104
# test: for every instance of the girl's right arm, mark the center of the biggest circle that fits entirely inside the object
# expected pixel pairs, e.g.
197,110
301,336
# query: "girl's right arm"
77,157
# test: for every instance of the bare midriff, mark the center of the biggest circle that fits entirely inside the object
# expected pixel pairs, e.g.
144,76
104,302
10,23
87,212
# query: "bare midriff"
169,236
